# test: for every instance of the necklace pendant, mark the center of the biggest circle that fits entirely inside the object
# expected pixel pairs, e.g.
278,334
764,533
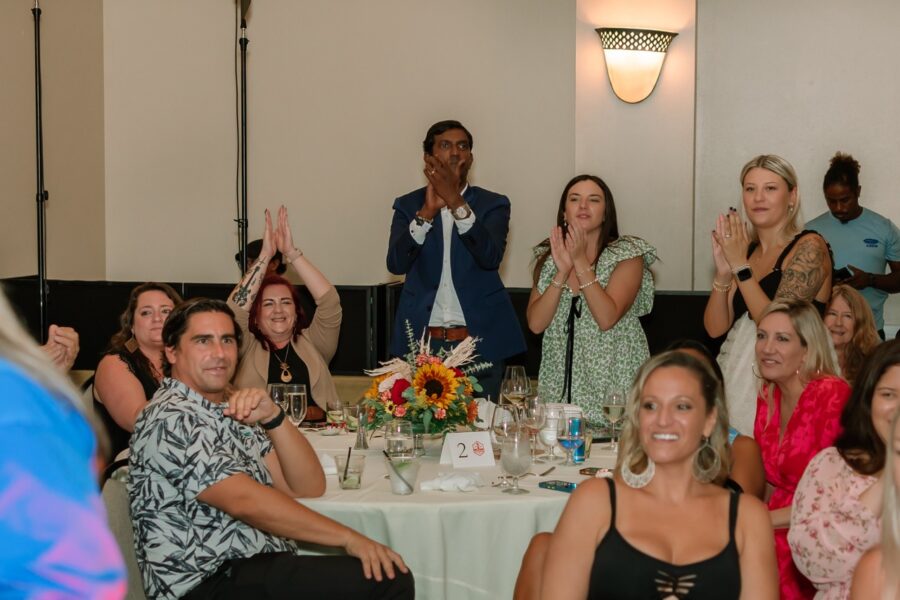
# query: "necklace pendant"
286,373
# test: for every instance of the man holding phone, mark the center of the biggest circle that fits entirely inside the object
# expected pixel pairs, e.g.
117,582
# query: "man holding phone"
863,241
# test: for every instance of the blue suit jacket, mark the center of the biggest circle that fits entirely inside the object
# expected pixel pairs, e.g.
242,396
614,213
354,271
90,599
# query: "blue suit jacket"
474,259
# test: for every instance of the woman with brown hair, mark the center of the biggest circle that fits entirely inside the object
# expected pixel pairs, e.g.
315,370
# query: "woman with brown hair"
131,370
851,324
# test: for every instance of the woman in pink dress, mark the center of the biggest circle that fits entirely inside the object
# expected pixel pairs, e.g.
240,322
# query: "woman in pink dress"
798,414
838,504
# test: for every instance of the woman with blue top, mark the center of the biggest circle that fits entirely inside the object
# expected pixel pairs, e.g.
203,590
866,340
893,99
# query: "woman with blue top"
590,287
54,539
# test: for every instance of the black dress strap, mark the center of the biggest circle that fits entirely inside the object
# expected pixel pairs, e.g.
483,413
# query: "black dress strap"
732,513
612,502
574,313
790,246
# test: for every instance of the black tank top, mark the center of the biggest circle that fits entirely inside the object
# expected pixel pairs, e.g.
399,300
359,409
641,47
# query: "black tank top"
621,571
770,282
118,437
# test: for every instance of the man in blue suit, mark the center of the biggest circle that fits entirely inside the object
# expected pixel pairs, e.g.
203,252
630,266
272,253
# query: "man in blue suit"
448,238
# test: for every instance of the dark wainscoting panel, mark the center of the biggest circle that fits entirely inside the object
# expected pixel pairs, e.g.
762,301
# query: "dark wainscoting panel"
93,308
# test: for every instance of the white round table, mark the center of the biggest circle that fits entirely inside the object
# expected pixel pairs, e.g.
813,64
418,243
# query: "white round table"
466,545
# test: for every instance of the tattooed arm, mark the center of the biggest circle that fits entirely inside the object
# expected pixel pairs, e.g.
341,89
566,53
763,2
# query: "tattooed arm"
245,292
806,270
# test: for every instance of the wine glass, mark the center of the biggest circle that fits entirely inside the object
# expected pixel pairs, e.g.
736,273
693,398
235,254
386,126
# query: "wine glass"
515,458
515,385
547,434
531,416
295,401
276,393
504,420
613,407
570,435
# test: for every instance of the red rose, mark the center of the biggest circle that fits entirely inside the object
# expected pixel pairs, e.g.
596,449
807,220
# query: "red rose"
397,391
458,372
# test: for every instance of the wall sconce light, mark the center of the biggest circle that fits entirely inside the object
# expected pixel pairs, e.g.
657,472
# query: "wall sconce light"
634,58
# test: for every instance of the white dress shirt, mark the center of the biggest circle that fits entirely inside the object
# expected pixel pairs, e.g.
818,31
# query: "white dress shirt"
446,311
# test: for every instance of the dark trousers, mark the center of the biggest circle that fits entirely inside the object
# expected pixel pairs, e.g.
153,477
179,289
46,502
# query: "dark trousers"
489,379
285,575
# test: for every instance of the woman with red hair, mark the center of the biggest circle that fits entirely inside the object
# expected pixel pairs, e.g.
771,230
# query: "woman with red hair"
283,348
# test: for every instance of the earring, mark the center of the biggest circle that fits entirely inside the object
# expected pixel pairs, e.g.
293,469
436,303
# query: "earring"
638,480
131,345
708,473
790,208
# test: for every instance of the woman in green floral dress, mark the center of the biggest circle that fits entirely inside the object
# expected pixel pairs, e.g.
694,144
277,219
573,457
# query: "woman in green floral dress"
590,287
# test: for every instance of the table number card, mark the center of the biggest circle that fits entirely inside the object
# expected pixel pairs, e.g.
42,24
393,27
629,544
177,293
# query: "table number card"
468,449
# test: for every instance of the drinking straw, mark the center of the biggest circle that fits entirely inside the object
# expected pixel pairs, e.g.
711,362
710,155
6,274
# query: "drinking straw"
396,472
347,465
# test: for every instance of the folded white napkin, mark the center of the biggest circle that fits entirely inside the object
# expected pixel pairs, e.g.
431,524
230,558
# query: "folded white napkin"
453,482
485,412
328,464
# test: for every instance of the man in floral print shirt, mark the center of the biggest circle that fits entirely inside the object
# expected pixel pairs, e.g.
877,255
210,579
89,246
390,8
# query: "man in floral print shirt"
214,474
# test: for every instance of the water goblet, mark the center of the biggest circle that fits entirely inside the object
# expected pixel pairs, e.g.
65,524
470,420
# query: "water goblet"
570,435
515,458
334,412
504,419
547,434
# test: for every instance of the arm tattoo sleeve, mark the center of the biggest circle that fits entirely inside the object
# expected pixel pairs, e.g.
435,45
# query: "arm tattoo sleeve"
805,273
242,295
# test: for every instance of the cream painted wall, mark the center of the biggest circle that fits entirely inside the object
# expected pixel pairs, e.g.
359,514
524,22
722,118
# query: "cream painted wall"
340,96
643,151
801,79
72,65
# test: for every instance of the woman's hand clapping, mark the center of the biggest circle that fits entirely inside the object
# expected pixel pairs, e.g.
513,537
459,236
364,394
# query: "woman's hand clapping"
284,239
576,244
561,257
733,240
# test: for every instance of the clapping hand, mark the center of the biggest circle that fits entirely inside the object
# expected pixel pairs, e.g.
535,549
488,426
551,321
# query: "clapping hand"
268,240
284,239
561,257
733,239
576,243
444,179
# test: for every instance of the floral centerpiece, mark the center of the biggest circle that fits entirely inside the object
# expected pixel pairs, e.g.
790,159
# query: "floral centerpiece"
433,392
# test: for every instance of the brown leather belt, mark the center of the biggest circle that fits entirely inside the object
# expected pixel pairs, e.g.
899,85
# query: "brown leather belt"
449,334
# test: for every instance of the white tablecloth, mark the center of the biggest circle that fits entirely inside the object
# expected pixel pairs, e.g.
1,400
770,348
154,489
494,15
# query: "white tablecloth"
466,545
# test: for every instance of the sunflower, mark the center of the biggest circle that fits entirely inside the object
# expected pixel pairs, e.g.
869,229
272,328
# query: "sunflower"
437,384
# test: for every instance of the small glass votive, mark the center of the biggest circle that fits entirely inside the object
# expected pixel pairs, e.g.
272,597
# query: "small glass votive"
588,439
403,473
350,477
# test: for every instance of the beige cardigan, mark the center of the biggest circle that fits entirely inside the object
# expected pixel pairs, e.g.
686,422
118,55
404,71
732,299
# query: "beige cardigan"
315,346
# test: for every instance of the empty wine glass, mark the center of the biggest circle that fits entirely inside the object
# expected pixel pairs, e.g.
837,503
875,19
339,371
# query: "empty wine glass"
531,416
515,458
276,393
295,401
515,385
570,435
613,407
504,420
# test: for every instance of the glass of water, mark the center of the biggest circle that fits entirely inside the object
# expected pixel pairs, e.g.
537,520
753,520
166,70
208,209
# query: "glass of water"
570,435
515,458
295,400
334,412
398,436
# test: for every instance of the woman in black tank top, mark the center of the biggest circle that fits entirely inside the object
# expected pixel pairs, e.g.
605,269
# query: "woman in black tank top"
756,263
664,528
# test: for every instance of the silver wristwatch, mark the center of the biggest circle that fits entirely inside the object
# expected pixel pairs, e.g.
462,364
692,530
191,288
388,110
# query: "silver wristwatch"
462,212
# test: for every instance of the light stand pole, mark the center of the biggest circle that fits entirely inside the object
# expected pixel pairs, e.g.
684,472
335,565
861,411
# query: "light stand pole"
42,194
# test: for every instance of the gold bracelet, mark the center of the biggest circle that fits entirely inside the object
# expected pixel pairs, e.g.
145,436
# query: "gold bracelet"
556,284
721,287
588,284
294,255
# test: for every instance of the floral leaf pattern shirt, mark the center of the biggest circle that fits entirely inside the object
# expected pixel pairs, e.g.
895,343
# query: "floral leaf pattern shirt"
182,444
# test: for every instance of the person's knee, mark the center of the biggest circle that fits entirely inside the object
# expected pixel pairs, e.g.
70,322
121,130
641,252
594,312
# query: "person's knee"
401,587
